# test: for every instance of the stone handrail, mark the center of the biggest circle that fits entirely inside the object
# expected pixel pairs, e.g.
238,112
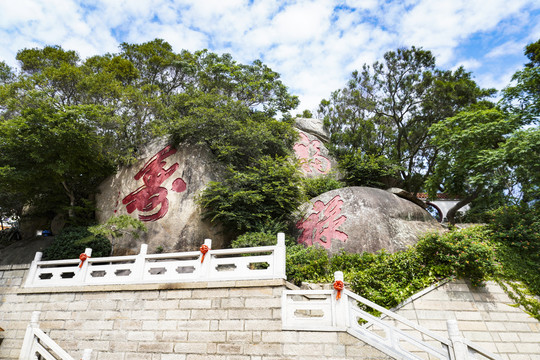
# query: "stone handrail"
36,342
256,263
321,310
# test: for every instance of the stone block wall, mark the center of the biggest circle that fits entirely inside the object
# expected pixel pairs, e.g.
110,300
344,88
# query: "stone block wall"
199,321
485,316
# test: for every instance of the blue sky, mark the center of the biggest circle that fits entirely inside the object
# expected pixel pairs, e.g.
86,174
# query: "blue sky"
314,45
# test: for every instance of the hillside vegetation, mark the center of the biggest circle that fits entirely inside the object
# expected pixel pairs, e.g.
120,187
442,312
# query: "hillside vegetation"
66,123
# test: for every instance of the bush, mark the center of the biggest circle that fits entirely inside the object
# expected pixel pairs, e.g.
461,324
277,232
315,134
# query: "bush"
314,187
367,170
388,279
72,241
254,239
306,263
247,200
516,230
464,253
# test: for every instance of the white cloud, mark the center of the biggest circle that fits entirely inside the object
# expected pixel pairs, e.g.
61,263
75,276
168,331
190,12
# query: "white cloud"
313,44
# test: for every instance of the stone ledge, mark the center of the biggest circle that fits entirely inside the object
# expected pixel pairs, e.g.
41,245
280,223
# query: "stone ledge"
14,267
156,286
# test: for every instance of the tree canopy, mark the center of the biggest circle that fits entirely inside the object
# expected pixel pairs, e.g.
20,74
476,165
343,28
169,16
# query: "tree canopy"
66,123
493,150
387,108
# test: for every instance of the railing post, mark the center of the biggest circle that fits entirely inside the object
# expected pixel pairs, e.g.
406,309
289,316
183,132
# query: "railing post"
340,304
86,354
33,269
138,267
83,270
280,257
458,346
206,264
26,349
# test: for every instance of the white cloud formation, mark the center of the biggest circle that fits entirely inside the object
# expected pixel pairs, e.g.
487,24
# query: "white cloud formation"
313,44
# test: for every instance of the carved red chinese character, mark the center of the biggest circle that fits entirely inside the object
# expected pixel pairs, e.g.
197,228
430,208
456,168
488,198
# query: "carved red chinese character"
323,223
309,153
151,196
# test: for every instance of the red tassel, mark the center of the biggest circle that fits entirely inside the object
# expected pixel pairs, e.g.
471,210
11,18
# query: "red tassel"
204,249
83,258
338,285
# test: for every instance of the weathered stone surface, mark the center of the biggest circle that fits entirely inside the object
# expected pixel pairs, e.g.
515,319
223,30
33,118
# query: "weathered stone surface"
361,219
313,127
313,155
160,190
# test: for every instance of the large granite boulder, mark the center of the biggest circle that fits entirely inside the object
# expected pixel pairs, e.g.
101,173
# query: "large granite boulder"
359,219
160,190
314,157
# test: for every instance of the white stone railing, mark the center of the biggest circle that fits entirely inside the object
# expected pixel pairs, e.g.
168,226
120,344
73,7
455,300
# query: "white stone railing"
38,345
264,262
320,310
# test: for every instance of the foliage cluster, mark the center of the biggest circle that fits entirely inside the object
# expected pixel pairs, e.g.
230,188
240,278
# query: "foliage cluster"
66,123
118,226
247,200
389,279
370,170
316,186
516,231
505,250
72,241
386,110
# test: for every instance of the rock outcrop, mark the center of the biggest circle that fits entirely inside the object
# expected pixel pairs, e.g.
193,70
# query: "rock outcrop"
160,190
359,219
310,150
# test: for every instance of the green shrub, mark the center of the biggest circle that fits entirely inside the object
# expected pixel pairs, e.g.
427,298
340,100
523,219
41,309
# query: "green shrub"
516,231
367,170
464,253
72,241
254,239
391,278
306,264
247,200
314,187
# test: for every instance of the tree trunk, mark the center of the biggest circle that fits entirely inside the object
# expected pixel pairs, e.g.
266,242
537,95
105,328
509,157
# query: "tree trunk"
71,195
451,215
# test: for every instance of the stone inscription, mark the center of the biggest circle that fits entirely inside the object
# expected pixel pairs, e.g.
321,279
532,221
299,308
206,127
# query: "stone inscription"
322,224
150,199
309,153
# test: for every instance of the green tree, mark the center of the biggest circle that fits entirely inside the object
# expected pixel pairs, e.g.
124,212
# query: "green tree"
248,200
50,155
66,123
387,109
522,97
485,151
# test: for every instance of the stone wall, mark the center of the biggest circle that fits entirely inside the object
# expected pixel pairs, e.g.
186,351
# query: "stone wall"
223,320
485,316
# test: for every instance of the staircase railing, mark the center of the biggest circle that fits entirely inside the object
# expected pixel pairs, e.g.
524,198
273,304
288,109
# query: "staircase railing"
325,310
264,262
38,345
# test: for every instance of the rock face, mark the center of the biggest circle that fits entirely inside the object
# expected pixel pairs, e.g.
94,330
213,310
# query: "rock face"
359,219
310,150
160,190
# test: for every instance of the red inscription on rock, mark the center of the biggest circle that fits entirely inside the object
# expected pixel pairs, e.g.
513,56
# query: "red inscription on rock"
322,225
309,153
152,195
